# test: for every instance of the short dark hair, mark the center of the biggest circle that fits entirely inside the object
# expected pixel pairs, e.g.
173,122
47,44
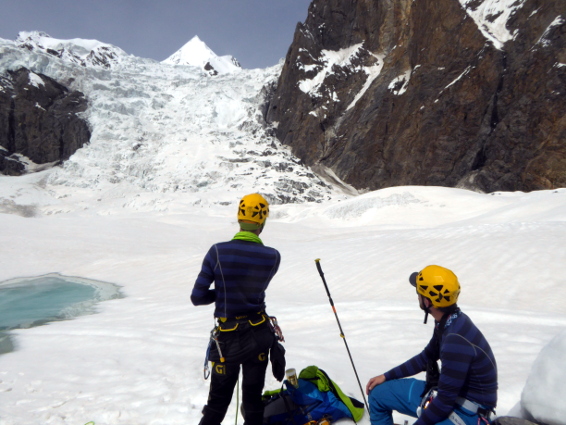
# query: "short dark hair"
450,309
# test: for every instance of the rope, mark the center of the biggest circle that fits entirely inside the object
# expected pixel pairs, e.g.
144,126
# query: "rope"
237,399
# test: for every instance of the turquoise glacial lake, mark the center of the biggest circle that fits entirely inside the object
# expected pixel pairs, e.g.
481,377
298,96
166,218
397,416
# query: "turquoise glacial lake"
35,301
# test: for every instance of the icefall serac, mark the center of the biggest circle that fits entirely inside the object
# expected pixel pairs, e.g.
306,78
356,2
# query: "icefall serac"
166,129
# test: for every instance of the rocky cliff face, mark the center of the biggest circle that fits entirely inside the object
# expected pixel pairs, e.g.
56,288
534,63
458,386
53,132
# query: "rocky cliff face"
428,92
39,121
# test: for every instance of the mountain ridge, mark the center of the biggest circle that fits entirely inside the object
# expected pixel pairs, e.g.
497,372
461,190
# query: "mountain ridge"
436,92
168,129
80,51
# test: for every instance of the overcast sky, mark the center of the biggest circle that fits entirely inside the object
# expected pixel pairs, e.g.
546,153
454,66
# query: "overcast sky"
256,32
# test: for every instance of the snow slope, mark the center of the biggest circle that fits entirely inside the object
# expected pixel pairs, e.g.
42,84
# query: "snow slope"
139,360
172,151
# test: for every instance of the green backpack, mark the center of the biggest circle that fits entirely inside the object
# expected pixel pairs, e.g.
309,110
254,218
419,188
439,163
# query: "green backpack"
324,383
316,397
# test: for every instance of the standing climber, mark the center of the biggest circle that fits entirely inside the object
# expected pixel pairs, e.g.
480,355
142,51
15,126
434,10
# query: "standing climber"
241,270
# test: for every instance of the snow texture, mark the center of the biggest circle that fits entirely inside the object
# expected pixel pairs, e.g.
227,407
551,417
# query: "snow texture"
547,374
172,151
491,17
329,59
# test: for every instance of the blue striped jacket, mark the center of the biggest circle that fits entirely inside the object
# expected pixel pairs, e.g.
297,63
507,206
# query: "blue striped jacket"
468,369
241,271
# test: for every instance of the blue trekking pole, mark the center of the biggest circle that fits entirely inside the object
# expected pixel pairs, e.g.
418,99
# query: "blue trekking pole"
317,261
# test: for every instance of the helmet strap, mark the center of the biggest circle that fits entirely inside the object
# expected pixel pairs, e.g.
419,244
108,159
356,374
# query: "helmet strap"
423,307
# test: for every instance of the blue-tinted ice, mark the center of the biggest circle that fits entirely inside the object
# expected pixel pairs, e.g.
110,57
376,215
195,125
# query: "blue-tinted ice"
28,302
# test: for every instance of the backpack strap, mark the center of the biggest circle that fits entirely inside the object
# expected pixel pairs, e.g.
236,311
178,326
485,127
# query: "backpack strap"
283,394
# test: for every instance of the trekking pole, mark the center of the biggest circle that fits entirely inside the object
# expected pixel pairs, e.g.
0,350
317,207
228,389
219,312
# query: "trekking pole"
317,261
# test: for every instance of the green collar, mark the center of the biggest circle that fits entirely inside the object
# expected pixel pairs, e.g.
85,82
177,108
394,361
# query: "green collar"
247,236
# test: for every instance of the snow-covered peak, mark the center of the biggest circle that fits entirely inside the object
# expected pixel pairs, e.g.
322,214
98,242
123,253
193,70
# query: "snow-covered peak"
170,133
80,51
197,53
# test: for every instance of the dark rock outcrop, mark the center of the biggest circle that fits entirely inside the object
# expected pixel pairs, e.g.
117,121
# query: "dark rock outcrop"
405,92
39,120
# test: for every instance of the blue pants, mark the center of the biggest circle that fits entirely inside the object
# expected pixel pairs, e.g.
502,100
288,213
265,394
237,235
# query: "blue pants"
404,396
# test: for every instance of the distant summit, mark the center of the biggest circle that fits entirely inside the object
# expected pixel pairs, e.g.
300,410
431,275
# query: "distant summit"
197,53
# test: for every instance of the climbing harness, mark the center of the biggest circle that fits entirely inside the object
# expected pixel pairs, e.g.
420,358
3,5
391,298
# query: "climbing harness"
230,325
484,414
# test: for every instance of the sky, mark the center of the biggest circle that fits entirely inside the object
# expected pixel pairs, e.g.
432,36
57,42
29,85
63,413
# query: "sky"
172,151
257,33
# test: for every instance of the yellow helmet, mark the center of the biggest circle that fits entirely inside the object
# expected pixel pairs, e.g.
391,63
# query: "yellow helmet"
438,284
253,208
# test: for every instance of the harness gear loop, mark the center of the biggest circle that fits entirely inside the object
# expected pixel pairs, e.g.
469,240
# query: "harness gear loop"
231,324
259,322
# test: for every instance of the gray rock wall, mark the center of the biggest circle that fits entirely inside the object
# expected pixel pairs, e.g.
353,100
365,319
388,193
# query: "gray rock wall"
426,98
39,119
